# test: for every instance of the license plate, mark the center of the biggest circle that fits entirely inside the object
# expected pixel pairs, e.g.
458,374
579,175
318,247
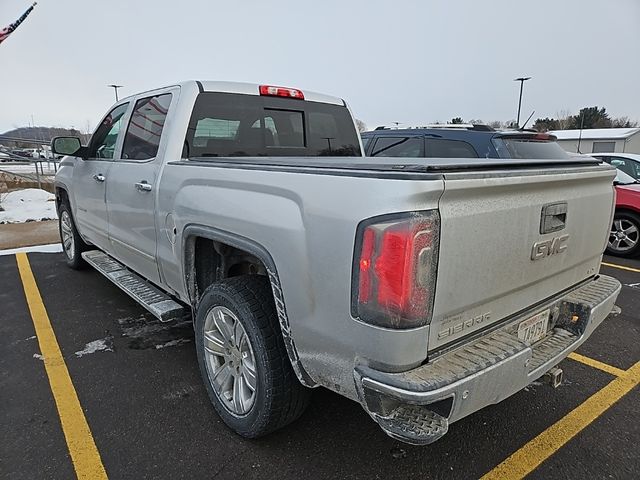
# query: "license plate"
533,329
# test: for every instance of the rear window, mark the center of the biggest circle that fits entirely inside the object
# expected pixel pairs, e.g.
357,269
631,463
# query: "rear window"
233,125
529,148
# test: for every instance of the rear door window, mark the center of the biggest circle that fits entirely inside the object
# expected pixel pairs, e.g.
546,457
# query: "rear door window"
145,127
397,146
442,148
233,125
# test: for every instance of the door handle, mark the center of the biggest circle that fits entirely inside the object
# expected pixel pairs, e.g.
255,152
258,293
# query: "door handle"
143,186
99,177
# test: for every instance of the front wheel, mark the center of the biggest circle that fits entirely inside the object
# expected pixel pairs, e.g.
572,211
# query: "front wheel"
624,238
243,360
72,243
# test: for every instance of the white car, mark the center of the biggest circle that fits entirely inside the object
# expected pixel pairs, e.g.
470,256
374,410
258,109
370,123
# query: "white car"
628,163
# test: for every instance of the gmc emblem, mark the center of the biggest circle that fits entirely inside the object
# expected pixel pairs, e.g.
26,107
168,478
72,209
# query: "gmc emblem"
546,248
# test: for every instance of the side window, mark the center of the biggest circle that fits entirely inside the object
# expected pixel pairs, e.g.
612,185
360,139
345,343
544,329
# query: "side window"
103,142
441,148
365,142
145,127
600,147
627,166
398,147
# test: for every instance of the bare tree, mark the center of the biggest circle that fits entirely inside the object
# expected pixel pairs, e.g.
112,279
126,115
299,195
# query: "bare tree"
362,127
623,122
564,119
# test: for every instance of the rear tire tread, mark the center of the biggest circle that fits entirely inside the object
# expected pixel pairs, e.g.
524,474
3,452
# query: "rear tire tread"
288,398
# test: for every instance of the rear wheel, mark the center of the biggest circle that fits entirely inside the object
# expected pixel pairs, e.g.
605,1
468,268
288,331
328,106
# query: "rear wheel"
624,238
243,360
72,243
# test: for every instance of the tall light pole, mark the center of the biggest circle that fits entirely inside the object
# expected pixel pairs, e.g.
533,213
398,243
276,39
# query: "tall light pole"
521,80
116,87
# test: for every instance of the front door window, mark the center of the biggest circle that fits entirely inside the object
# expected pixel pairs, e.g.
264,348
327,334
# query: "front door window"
103,143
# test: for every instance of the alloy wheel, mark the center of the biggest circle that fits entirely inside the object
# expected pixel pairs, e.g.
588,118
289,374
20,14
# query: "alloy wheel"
66,229
230,361
624,235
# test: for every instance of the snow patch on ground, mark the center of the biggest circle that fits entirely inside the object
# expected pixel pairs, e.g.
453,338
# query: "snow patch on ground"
50,248
173,343
102,345
27,205
38,356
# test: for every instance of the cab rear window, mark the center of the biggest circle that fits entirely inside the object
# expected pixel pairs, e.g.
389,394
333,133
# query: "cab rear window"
233,125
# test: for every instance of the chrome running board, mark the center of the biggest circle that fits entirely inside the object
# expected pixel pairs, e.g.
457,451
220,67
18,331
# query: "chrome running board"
161,305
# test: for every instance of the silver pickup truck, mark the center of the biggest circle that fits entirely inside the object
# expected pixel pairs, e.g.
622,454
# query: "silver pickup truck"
424,289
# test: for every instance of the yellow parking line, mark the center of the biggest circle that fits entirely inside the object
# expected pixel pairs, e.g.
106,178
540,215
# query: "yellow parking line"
84,453
530,456
596,364
621,267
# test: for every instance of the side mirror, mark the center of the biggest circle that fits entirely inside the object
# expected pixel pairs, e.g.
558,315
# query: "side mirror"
66,145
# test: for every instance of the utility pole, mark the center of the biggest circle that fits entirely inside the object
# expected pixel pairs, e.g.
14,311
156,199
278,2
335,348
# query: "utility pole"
115,89
521,80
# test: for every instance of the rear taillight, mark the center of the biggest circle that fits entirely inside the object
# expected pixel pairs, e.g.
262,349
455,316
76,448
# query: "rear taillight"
271,91
395,269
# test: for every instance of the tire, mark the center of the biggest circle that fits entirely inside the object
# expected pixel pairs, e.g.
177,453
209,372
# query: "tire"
624,238
72,243
278,397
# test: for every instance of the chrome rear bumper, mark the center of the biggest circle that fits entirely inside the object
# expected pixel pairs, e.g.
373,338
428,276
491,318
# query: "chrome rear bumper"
416,406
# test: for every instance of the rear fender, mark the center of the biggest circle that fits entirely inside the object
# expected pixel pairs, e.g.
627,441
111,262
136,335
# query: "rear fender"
192,232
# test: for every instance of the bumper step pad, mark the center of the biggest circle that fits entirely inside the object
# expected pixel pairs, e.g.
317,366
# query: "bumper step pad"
161,305
413,424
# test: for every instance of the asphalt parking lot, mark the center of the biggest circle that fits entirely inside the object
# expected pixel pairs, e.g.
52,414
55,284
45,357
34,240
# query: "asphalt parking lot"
148,415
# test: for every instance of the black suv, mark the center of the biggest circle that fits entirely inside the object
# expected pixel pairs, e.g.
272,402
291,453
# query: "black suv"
472,141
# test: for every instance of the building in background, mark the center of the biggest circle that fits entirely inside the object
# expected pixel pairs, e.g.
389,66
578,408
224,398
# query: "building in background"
600,140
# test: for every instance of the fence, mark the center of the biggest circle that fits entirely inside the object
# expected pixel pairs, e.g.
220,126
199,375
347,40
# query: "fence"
37,173
18,171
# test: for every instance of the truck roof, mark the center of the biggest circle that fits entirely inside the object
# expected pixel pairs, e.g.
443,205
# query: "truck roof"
250,89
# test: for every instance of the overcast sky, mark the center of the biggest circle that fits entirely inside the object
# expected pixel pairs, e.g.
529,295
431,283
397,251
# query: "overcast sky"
413,62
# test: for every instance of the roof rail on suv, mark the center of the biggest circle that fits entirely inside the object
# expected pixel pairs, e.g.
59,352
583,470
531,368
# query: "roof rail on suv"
452,126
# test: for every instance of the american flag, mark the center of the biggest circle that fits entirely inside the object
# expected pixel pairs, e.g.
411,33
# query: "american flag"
5,32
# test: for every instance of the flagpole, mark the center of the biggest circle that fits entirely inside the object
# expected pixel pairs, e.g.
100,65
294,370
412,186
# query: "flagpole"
5,32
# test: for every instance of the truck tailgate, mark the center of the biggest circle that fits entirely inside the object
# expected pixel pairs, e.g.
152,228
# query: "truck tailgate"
496,259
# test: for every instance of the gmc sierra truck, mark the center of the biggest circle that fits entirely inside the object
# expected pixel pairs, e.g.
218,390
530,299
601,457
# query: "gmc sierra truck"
424,289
